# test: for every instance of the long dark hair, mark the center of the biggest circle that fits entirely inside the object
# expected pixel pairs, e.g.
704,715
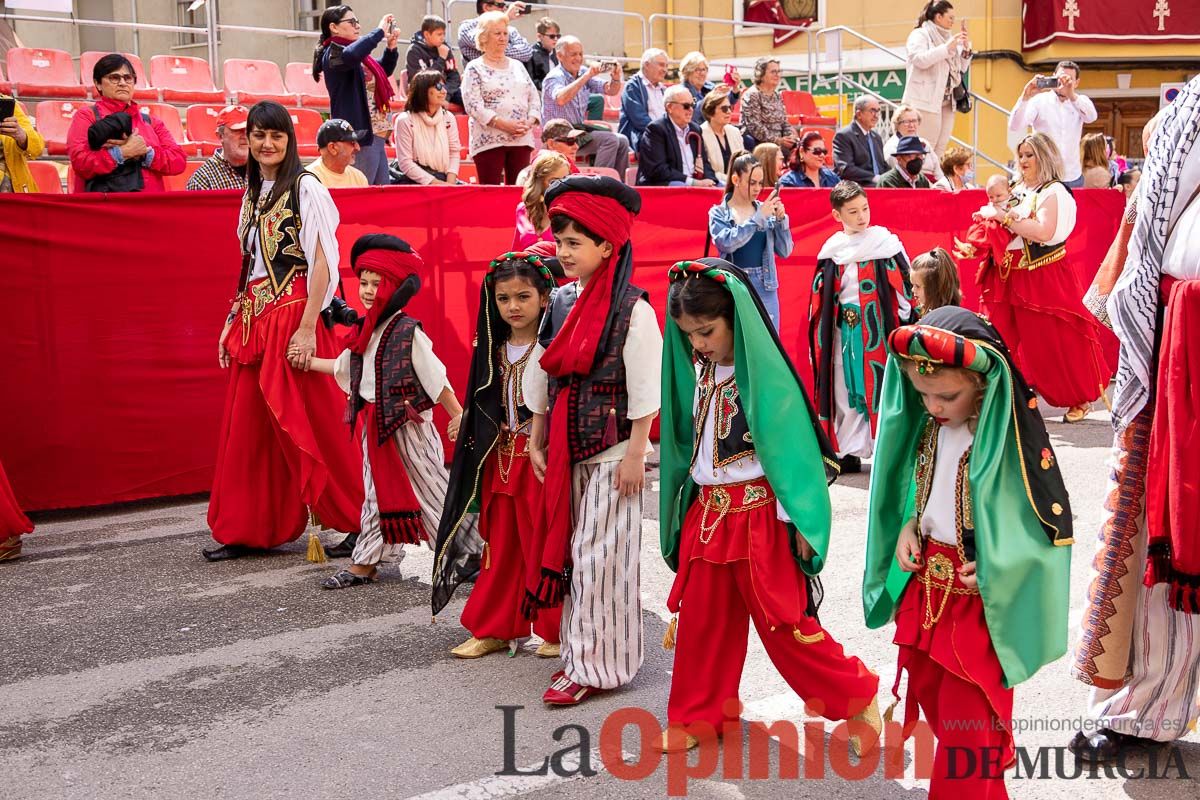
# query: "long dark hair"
932,9
742,165
332,16
270,116
700,298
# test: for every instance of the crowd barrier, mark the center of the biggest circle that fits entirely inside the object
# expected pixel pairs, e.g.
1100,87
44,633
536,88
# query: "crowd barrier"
114,304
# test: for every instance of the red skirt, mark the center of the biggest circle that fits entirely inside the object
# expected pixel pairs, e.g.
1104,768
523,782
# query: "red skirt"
13,522
1040,315
284,448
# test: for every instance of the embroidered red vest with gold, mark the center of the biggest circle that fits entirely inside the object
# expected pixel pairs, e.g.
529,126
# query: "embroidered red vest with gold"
278,237
598,405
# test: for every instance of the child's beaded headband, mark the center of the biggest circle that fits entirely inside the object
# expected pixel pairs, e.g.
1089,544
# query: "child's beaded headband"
532,259
930,348
694,269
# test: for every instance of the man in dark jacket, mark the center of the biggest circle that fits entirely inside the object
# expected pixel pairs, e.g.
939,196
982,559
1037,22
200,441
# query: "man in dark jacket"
428,50
910,160
671,151
544,58
857,148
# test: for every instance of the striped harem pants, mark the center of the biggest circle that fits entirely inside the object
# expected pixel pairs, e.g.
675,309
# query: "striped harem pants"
425,459
601,630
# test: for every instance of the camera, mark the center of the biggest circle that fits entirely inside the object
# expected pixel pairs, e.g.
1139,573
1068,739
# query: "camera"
525,9
339,313
1046,81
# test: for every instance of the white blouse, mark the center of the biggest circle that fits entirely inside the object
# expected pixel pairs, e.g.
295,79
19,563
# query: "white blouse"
515,353
431,372
642,356
1181,257
939,519
1032,204
321,219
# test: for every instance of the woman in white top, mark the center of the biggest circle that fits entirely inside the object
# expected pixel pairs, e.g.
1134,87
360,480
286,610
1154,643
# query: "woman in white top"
282,449
503,103
937,60
1034,296
722,141
427,145
907,122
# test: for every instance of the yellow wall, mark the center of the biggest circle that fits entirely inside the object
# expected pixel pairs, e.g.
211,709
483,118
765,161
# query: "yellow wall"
889,23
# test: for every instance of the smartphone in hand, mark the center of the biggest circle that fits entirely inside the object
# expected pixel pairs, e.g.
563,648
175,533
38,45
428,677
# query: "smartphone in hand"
8,107
1046,81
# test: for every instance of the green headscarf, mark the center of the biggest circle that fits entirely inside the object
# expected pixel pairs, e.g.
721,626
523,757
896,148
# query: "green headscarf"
795,455
1019,503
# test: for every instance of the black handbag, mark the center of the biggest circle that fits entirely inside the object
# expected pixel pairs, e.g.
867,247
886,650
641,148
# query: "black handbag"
962,98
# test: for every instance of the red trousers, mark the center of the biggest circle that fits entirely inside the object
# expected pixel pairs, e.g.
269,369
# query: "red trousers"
1054,341
717,603
956,679
494,606
13,521
283,448
499,165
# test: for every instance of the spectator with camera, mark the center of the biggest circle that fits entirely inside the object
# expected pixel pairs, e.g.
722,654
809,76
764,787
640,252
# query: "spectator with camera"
360,89
115,146
226,168
937,60
428,50
19,143
427,144
518,47
339,144
642,98
1053,105
565,94
544,57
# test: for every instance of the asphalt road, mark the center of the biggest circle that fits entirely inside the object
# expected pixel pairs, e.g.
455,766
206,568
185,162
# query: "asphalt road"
131,668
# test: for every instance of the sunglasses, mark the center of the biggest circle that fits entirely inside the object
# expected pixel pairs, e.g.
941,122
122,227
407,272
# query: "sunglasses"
570,142
726,108
352,20
552,35
440,86
684,106
819,151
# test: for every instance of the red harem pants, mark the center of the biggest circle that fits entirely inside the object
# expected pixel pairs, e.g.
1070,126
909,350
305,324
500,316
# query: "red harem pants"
956,678
1054,341
739,570
13,521
283,448
505,522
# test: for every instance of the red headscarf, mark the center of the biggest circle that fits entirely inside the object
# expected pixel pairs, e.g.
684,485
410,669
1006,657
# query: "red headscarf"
395,266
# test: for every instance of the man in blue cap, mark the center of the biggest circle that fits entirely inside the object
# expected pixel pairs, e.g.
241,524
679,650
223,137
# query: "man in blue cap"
910,160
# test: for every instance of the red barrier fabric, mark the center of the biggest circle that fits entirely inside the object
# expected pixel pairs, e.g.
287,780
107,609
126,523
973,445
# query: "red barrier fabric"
114,304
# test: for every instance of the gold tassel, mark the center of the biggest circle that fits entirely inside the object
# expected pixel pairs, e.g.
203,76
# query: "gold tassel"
887,715
487,556
316,552
804,639
1104,397
669,636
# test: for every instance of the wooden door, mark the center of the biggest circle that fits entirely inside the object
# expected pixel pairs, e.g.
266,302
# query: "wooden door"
1123,119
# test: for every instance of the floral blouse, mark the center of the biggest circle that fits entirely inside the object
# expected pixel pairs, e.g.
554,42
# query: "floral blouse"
764,116
507,93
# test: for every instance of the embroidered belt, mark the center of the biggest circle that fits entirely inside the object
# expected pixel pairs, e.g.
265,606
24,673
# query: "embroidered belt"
511,446
851,316
1016,259
939,573
258,299
731,498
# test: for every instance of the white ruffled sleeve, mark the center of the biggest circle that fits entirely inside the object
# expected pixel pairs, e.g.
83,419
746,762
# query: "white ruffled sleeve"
320,218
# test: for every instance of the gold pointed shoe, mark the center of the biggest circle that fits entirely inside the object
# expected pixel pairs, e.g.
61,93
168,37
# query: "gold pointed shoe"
548,650
1077,413
676,740
478,648
869,715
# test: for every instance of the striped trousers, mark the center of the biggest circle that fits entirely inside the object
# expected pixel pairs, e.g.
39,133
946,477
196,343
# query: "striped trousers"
1158,699
601,631
425,459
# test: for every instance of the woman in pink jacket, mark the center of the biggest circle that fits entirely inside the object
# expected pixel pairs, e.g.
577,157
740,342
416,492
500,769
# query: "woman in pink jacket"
149,141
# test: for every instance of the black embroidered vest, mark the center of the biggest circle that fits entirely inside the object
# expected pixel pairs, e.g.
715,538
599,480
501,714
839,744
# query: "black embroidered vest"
1037,254
731,432
278,237
512,374
396,379
591,401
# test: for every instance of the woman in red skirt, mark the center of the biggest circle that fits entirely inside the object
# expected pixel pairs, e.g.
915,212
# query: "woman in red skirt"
13,522
967,542
283,451
1034,295
491,465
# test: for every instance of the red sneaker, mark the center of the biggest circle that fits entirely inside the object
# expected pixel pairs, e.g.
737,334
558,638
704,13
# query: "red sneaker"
565,692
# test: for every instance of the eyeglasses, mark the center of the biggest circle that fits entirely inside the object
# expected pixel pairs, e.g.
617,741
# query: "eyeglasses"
872,110
352,20
726,108
120,77
819,151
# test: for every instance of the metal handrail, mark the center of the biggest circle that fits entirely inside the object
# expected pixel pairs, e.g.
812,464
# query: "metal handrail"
551,6
104,23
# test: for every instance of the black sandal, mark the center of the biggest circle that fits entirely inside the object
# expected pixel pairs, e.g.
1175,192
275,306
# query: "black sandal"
344,579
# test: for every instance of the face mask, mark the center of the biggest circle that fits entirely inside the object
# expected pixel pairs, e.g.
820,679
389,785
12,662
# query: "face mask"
970,176
915,166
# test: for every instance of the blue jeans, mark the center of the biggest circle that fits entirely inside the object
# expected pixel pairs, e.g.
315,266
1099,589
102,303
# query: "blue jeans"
769,297
373,162
1075,184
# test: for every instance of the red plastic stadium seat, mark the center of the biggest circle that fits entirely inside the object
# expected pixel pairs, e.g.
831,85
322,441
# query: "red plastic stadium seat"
183,79
612,107
170,117
802,109
202,127
464,134
53,119
142,90
631,176
177,183
299,81
46,176
306,122
248,80
42,72
5,86
467,172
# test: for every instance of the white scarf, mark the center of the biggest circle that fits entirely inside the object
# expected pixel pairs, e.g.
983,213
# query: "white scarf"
431,143
1161,197
939,36
851,248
